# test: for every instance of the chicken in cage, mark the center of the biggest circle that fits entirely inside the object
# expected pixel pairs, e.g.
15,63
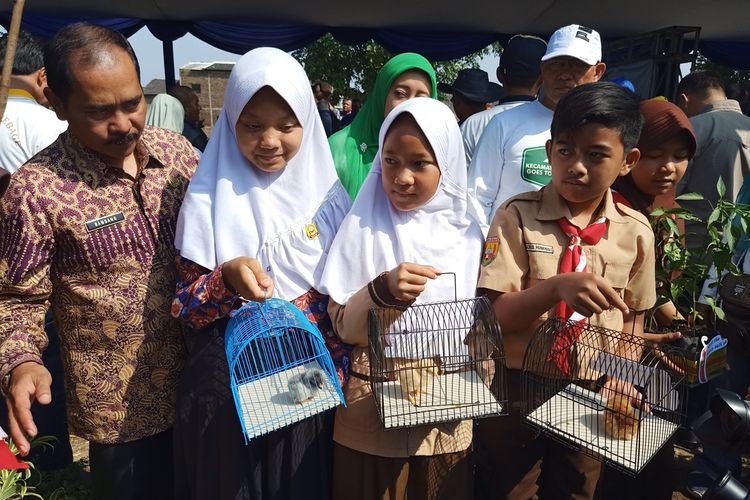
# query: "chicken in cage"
280,369
437,362
608,393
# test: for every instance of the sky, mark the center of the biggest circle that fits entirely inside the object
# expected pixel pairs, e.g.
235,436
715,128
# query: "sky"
186,49
190,49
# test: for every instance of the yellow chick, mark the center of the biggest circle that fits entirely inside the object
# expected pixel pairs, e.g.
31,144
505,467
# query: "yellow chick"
415,375
620,418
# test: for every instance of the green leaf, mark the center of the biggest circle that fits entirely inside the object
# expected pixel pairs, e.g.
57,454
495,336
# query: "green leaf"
719,312
675,290
672,226
730,235
689,197
721,187
714,216
690,217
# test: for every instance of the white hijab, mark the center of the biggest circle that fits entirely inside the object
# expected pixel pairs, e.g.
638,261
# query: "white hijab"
375,237
233,209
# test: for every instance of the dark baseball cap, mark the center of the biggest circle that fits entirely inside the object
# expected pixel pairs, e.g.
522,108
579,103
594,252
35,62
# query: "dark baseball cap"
522,56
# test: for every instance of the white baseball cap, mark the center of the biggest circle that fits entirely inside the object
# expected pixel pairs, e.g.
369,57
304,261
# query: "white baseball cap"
575,41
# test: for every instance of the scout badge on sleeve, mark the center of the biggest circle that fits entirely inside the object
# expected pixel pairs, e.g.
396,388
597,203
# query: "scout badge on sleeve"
491,247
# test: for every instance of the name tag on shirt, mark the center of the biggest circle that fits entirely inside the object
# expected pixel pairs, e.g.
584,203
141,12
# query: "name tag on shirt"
105,221
536,247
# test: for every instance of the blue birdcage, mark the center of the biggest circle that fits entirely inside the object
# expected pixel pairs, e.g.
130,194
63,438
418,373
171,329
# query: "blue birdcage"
279,367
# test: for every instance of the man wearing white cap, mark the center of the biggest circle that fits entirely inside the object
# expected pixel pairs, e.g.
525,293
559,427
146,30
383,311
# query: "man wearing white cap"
510,157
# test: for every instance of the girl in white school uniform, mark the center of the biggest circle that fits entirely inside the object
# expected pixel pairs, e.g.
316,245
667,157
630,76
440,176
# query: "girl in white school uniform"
409,223
258,218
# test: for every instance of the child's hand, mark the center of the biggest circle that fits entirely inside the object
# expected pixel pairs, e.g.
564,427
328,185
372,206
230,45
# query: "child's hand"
407,280
245,276
615,387
588,293
661,338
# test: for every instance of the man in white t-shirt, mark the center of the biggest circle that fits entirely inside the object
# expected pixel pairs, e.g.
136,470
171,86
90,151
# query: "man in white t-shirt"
27,126
510,157
519,73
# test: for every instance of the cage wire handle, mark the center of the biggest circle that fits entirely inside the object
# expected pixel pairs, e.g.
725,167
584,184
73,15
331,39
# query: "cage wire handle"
264,305
455,284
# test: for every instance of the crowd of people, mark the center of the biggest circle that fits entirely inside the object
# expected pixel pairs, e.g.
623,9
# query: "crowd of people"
142,237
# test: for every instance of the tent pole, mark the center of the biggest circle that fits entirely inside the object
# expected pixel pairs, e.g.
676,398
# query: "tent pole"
168,48
10,53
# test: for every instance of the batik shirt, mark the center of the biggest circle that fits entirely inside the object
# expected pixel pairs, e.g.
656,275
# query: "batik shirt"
98,245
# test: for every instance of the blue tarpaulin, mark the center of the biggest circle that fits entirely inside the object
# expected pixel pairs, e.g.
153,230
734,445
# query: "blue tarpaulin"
239,37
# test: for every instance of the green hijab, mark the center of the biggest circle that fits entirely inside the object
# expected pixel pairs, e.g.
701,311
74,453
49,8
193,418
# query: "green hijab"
354,147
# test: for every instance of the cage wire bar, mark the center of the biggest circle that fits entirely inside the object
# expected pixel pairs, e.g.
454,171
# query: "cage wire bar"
610,394
437,362
279,366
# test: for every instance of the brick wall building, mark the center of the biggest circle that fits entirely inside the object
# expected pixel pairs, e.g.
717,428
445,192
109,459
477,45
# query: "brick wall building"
209,80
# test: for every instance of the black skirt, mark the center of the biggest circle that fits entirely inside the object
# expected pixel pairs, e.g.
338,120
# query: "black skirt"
212,461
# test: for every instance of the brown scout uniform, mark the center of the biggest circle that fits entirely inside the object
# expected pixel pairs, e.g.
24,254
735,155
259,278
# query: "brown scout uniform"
426,462
524,246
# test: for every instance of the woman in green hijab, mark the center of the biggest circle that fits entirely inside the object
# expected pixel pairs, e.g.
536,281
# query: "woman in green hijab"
403,77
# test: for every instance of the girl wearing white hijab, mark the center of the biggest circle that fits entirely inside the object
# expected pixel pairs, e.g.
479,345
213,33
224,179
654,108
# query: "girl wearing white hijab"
258,218
409,222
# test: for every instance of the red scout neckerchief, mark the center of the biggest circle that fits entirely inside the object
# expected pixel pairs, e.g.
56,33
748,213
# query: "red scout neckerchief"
573,260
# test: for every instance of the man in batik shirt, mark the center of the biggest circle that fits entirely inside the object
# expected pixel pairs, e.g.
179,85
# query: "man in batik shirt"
88,225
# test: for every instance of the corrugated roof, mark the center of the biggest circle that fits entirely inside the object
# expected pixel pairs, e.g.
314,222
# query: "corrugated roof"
209,66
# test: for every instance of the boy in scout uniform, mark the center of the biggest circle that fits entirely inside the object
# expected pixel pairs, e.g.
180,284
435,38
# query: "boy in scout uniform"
536,243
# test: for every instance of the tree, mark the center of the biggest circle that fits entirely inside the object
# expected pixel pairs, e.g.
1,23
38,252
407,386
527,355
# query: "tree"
727,75
352,70
737,82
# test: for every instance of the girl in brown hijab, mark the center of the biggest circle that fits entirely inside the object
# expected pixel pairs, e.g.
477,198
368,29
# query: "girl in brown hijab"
667,143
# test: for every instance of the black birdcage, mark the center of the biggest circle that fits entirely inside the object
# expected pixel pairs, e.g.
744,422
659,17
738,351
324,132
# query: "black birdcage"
437,362
610,394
